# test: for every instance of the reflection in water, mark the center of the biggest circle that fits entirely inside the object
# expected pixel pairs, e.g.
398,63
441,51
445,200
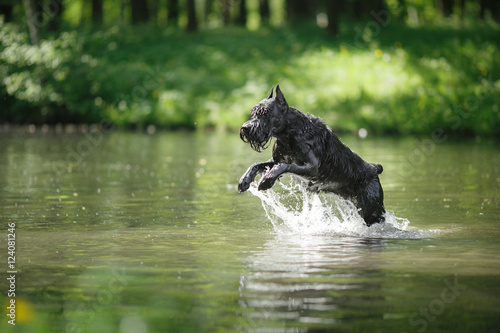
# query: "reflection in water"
299,280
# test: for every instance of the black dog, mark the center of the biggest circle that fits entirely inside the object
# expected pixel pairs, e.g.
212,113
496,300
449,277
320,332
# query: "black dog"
305,146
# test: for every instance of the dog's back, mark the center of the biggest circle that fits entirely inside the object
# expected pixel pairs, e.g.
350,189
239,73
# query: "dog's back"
338,163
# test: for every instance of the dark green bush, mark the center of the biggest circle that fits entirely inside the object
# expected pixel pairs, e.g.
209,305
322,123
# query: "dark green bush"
50,82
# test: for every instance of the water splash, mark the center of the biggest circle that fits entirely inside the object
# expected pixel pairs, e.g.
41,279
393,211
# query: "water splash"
292,209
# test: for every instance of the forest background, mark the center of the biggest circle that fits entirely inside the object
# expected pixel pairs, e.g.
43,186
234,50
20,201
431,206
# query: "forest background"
387,66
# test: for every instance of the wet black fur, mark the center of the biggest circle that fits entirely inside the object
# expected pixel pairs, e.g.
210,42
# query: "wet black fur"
307,147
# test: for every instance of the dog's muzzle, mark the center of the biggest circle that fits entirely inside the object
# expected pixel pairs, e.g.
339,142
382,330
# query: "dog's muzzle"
254,136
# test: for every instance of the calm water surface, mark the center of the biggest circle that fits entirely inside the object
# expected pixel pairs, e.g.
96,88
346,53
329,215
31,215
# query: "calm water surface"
128,232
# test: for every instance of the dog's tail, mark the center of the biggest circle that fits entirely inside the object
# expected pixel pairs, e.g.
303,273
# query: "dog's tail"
379,168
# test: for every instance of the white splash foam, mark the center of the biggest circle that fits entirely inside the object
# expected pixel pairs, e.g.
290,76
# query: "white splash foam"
292,209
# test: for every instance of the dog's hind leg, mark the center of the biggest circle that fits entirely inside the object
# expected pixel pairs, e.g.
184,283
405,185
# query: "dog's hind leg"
249,176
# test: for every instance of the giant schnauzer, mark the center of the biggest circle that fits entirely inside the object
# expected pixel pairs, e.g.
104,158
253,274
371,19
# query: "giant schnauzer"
305,146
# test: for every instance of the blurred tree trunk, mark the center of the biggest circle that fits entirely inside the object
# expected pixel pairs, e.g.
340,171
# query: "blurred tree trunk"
299,10
378,6
448,7
97,12
208,9
55,14
226,12
172,12
362,9
34,16
264,11
123,6
83,13
445,7
242,16
482,8
7,10
462,12
333,9
493,6
495,10
153,10
403,10
191,11
140,11
357,9
39,4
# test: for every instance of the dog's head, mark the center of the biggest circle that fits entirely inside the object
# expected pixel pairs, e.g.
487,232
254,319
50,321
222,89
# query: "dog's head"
267,120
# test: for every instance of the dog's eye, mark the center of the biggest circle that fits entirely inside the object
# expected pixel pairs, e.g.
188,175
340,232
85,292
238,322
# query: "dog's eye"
259,110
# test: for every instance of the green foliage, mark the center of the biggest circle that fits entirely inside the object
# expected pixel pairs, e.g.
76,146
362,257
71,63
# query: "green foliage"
397,80
49,82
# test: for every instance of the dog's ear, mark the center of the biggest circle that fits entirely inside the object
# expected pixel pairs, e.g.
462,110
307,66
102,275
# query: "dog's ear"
271,93
280,96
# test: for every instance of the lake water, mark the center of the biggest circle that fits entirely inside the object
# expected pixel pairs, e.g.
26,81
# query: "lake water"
130,232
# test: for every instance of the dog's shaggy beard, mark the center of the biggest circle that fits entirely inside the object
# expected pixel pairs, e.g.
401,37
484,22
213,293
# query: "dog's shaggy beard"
256,138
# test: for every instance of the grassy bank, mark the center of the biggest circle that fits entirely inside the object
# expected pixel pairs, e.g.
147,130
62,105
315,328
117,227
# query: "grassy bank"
393,79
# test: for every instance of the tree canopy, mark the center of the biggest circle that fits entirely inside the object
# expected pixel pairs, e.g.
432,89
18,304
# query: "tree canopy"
391,66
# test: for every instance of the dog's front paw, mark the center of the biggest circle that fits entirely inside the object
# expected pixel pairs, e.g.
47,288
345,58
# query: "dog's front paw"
266,183
243,185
